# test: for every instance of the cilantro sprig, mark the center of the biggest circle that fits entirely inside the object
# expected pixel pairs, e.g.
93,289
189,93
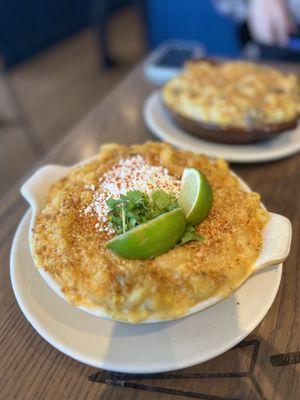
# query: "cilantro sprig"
136,207
189,236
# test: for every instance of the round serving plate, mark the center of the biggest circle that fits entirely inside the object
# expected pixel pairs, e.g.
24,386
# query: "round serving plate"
137,348
162,125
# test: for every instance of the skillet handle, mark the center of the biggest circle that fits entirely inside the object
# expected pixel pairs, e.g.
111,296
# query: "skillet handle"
277,237
34,189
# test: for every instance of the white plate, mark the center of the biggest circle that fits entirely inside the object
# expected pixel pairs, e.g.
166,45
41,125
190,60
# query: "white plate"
162,126
137,348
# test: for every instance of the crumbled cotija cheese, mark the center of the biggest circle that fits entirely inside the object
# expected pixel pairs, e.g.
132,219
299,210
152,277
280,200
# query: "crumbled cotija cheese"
130,174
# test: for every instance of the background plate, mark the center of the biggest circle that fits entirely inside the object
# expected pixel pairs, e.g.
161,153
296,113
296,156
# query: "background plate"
137,348
161,125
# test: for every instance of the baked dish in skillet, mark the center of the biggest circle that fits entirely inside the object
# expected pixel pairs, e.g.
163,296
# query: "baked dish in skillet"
234,102
70,235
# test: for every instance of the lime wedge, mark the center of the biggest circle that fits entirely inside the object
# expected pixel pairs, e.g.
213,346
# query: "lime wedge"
151,238
195,196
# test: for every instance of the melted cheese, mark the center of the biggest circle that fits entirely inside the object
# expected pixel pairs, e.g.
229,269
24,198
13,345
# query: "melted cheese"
234,94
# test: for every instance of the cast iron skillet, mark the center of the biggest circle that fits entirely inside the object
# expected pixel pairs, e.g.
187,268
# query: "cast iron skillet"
230,135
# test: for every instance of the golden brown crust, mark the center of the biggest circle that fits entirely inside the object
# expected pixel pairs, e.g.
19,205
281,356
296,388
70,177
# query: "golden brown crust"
67,245
235,94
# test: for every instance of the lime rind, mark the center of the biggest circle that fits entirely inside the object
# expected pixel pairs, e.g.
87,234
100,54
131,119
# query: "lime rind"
195,196
151,238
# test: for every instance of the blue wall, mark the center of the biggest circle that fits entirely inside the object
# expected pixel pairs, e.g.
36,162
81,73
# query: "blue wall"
191,20
27,26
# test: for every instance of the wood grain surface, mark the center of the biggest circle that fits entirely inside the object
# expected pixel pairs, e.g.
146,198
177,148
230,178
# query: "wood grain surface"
265,366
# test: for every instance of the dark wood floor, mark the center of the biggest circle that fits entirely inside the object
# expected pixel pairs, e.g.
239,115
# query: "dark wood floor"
44,97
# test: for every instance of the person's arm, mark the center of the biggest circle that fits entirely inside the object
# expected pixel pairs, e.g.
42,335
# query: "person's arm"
269,21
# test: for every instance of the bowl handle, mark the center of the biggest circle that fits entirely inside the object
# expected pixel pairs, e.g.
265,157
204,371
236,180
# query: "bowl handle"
34,189
277,237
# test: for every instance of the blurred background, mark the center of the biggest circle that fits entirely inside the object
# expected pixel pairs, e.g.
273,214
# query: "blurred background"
58,58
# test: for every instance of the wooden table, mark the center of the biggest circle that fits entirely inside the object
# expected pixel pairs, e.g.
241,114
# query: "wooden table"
265,366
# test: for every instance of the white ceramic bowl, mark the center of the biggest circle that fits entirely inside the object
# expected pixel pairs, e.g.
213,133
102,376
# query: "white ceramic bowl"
276,235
